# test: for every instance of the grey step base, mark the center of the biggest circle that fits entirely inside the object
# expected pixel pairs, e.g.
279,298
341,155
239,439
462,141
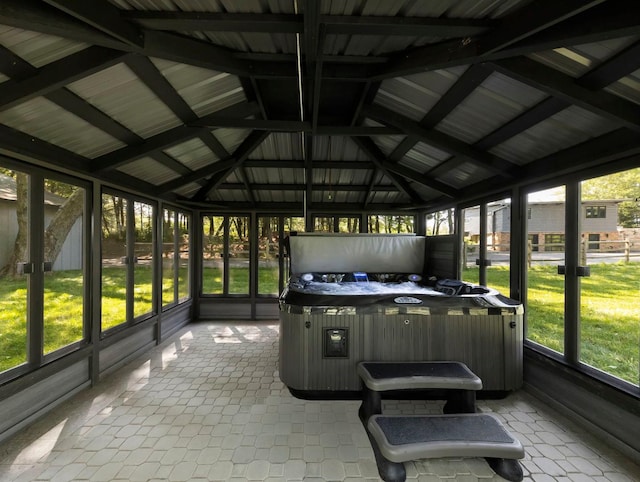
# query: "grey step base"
400,438
383,376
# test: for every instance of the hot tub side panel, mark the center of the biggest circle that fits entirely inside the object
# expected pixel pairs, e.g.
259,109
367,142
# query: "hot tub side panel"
491,345
303,364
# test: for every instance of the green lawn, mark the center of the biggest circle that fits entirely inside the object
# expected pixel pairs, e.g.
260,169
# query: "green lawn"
610,328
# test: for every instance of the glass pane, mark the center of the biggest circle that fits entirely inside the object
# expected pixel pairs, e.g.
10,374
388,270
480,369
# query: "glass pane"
545,293
441,223
471,245
349,225
498,245
323,224
268,255
387,224
239,252
609,303
168,257
14,250
114,267
291,225
143,259
184,227
64,249
212,254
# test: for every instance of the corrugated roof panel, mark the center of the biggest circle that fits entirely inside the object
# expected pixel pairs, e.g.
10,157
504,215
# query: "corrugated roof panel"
279,145
578,60
423,157
37,48
187,190
45,120
567,128
205,91
628,87
425,192
229,195
413,96
464,175
264,175
120,94
231,138
336,148
387,144
149,170
194,154
496,101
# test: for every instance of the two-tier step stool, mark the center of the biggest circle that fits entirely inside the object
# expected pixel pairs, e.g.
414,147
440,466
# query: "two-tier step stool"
460,432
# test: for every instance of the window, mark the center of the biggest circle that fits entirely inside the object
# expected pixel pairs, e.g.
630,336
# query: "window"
43,251
175,257
127,260
596,211
226,254
441,223
388,224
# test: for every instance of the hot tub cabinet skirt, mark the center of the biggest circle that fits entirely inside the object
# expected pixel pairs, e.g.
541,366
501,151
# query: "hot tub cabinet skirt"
319,352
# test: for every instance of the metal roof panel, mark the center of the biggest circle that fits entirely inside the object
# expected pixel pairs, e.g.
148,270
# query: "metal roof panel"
36,118
119,93
150,170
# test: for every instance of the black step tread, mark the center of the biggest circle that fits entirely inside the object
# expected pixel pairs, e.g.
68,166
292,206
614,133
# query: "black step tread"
401,438
388,375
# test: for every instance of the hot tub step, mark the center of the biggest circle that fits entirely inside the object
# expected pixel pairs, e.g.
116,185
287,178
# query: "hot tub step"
400,438
453,376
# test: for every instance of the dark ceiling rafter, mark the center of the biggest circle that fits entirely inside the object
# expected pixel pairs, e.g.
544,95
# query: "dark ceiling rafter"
490,162
302,187
216,21
482,44
103,16
56,75
620,65
158,142
390,168
251,142
611,146
13,66
52,155
514,28
564,87
465,85
148,73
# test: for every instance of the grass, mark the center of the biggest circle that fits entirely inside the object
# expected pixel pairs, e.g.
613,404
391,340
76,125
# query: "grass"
610,324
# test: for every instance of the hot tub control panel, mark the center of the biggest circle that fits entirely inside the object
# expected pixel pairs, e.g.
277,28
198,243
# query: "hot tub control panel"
360,277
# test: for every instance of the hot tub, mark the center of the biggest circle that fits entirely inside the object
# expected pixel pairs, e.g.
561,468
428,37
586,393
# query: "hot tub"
367,297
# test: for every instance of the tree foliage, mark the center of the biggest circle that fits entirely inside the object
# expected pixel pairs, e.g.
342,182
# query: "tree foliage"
624,186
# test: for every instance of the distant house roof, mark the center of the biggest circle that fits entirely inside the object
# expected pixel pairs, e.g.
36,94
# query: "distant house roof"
8,192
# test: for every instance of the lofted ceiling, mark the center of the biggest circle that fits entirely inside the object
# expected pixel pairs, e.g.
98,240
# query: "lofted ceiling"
340,105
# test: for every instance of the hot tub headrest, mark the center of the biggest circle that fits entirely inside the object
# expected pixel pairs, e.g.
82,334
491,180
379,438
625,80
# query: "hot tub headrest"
361,252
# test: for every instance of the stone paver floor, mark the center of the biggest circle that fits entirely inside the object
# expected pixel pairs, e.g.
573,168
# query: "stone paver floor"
207,405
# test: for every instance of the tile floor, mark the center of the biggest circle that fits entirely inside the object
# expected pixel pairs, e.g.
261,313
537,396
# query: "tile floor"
207,405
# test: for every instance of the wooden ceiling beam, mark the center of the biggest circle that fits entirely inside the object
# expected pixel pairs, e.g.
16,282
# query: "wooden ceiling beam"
444,142
566,88
103,16
57,74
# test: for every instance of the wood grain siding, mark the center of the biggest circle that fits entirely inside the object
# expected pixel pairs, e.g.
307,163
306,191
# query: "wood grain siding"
488,344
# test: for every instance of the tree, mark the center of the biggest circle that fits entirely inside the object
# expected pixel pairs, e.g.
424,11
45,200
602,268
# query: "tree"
623,186
56,232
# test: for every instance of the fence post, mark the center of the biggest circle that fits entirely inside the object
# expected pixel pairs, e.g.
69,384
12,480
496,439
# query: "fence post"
583,252
627,250
529,252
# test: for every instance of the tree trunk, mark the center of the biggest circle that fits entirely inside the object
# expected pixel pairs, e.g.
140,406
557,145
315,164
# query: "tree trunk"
21,244
61,224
